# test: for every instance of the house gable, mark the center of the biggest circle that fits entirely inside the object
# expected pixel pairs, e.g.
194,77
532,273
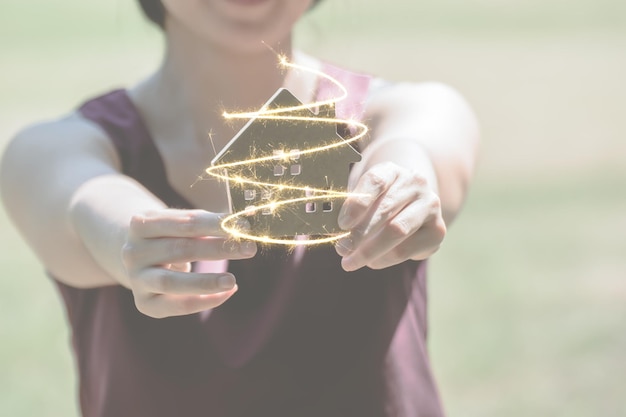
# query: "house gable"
282,140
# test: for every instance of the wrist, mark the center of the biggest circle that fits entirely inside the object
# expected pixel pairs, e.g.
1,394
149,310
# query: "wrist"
406,153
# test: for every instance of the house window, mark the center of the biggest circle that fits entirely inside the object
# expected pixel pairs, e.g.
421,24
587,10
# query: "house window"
296,169
249,195
295,154
266,211
250,210
266,195
327,206
279,170
310,207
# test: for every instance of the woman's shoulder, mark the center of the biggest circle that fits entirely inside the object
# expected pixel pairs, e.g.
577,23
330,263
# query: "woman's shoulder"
385,92
54,141
68,130
382,89
76,127
417,98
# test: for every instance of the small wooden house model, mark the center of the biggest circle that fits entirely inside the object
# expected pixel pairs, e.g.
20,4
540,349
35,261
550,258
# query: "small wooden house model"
288,174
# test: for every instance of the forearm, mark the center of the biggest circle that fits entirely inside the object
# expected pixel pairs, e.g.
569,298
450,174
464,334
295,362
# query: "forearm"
430,130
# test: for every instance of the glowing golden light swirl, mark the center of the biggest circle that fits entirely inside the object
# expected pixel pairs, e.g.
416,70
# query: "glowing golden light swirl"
229,223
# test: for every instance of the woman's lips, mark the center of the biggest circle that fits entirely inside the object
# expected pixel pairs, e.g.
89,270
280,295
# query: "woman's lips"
247,2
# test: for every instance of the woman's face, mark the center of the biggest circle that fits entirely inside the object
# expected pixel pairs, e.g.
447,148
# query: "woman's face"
241,25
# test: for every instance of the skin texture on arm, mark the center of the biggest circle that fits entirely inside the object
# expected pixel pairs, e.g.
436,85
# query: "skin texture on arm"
42,168
413,178
438,119
92,226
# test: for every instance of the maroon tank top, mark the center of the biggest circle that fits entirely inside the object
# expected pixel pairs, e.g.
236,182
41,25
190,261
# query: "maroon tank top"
300,338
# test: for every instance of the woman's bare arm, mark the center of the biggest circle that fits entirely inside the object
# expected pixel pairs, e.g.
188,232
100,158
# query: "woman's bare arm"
42,169
92,226
435,119
413,177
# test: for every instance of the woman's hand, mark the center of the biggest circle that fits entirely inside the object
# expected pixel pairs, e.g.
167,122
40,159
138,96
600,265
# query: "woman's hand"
393,216
157,255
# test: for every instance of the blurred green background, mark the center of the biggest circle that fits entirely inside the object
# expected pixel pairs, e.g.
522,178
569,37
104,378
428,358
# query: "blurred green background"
527,295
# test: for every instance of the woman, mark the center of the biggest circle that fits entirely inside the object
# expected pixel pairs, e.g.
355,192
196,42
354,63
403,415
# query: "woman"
111,214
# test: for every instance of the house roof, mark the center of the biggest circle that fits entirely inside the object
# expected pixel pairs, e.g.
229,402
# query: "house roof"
258,132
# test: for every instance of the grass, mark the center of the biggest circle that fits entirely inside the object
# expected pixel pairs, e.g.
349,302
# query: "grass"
536,319
527,296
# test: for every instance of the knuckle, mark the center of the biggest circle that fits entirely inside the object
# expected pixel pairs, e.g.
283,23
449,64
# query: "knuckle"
144,306
180,248
419,180
386,206
141,307
442,230
400,228
128,254
138,222
191,222
439,230
360,203
162,281
435,203
377,178
413,193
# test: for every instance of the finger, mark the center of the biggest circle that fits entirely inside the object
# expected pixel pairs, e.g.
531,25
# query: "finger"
369,187
421,246
178,223
395,231
166,281
344,246
165,251
160,306
403,192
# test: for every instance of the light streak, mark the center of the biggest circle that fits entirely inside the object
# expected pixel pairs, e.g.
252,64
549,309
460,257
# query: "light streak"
287,114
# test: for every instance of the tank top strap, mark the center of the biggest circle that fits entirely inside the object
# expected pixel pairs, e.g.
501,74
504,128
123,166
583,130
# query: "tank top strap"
119,118
356,84
116,115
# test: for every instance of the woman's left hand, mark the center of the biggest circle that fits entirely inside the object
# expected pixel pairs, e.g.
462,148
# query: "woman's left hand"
393,216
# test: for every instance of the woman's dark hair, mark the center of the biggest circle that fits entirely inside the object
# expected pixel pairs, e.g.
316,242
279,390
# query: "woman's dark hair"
155,11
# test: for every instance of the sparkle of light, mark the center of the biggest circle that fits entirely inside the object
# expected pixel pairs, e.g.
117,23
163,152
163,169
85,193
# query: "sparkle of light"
229,223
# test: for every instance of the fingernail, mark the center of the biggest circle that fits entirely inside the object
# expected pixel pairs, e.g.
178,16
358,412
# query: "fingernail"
345,245
226,282
348,264
344,220
231,246
248,248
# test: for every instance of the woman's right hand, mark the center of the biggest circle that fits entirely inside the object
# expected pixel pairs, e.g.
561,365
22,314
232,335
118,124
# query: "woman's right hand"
157,255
